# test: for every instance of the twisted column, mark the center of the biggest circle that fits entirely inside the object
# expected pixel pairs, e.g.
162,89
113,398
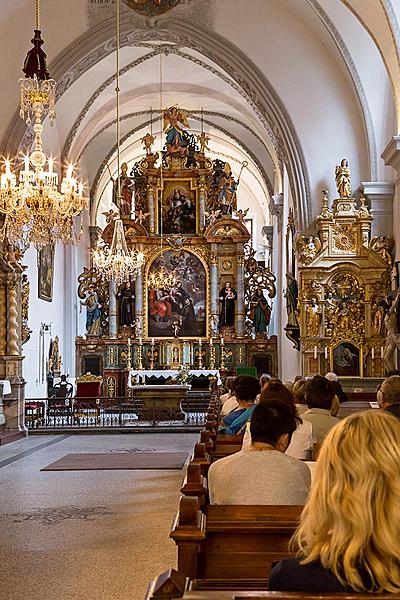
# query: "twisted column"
3,319
240,311
112,313
12,320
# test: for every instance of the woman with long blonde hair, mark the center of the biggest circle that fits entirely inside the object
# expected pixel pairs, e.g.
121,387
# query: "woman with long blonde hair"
349,533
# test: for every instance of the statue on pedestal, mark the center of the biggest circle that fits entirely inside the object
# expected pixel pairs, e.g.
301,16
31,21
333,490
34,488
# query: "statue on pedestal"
93,311
260,312
227,297
342,178
124,201
125,307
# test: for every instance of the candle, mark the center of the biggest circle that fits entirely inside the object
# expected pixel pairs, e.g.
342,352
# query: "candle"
315,351
372,353
140,341
50,166
211,341
199,341
81,188
222,341
326,353
26,163
69,172
381,351
129,341
152,341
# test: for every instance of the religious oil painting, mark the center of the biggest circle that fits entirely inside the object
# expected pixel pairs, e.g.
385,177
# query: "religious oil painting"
46,273
177,296
177,209
346,360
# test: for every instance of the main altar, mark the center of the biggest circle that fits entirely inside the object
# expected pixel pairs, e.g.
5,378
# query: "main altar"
201,299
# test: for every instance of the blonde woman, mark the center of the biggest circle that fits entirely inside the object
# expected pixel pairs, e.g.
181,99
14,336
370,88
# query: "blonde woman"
349,533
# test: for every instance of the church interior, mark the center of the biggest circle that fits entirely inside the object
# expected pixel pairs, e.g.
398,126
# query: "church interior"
193,192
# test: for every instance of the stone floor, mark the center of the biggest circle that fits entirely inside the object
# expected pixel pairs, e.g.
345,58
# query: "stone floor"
85,535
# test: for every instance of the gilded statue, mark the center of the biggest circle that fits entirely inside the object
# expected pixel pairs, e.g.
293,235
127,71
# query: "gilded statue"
203,140
377,318
342,178
330,311
54,364
383,246
307,248
148,141
313,318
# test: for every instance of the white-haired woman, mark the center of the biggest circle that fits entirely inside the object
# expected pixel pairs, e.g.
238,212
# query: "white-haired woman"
349,534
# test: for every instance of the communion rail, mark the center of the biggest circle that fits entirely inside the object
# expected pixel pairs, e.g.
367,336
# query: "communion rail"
103,413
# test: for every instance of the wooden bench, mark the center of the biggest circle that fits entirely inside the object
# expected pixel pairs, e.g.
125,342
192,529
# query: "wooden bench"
232,542
173,584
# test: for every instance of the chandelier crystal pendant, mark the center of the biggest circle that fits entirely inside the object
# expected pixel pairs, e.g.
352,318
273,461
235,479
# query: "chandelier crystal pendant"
35,211
116,263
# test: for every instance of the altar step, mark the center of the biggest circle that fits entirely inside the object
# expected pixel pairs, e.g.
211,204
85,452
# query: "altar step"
7,437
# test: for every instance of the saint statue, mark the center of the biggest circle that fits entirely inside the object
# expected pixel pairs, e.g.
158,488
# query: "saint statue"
176,136
227,297
392,335
313,319
125,307
342,178
124,201
260,312
93,311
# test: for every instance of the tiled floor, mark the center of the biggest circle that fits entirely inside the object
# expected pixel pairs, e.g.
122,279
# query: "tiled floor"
85,535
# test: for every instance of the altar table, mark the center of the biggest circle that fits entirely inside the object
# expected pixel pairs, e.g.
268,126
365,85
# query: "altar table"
159,373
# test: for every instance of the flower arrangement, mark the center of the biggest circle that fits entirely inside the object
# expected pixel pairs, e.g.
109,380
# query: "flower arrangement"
184,375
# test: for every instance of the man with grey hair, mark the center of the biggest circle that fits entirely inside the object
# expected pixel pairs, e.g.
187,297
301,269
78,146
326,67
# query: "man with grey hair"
389,395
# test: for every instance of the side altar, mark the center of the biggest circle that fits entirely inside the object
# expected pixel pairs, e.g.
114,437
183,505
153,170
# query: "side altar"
201,298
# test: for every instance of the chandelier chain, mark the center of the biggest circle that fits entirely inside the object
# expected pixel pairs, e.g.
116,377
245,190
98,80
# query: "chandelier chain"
37,15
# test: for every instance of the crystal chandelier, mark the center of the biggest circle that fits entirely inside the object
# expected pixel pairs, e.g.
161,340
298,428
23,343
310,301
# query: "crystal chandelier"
34,210
117,263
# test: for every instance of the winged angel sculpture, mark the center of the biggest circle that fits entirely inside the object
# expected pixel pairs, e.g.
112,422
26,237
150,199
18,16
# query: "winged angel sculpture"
307,248
177,138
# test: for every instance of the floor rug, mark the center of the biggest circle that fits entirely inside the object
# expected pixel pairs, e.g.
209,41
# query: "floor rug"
118,460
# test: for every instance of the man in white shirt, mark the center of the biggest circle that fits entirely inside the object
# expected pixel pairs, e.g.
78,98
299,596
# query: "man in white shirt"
320,394
262,473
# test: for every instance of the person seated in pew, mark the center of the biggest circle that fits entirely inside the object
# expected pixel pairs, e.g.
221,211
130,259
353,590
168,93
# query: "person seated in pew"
301,445
246,389
262,473
388,395
228,401
348,539
299,395
319,395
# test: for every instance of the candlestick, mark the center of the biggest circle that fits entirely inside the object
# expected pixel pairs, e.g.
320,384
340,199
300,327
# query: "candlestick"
139,358
129,357
212,357
222,364
152,355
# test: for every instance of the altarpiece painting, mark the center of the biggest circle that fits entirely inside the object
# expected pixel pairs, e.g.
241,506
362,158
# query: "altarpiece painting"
177,209
180,310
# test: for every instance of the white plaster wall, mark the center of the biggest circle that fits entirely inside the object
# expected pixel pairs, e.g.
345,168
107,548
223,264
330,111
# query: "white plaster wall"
41,311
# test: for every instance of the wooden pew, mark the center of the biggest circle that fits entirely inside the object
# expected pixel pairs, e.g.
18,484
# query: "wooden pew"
232,542
173,584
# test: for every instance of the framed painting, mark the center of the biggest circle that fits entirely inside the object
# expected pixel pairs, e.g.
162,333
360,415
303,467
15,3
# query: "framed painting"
46,273
178,310
177,208
346,360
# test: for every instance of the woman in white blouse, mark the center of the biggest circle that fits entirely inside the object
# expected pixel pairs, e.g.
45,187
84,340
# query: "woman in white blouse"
301,445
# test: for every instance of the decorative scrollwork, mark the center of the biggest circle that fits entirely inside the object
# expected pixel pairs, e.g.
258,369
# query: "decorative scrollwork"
307,248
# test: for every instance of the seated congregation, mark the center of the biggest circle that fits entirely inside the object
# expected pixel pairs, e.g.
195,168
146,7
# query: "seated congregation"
283,495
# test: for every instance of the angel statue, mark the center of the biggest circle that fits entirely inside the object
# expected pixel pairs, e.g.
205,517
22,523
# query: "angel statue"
383,246
203,140
148,141
307,248
176,138
342,178
241,214
212,216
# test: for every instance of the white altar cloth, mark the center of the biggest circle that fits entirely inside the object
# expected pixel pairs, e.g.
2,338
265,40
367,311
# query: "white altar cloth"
158,373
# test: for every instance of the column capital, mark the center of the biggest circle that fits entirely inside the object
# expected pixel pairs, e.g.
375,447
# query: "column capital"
380,195
276,208
391,154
